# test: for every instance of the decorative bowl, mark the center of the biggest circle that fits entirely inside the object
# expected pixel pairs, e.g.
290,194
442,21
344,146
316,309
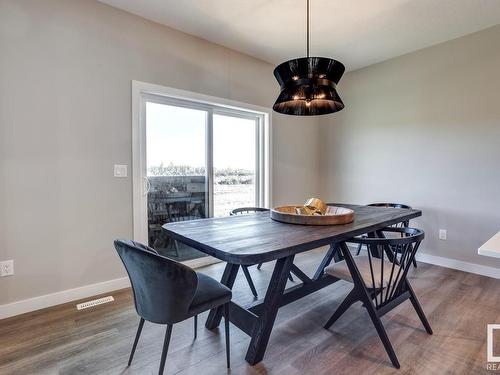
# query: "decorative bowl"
334,215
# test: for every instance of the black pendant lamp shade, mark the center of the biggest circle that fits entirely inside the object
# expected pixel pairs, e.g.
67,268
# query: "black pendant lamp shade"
308,86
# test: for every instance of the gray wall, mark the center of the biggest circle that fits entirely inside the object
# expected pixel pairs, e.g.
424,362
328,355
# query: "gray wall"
65,118
424,129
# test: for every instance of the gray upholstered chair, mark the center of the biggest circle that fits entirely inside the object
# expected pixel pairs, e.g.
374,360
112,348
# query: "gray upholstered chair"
380,278
168,292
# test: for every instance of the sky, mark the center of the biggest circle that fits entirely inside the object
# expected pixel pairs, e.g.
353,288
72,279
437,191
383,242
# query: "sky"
177,135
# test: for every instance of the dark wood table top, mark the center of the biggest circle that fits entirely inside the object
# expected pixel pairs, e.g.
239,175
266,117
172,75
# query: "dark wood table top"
256,238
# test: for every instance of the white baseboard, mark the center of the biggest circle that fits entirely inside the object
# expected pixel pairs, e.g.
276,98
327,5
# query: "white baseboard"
53,299
459,265
454,264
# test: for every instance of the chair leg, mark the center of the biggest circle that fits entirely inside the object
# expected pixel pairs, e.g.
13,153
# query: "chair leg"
165,348
137,335
359,249
414,262
226,329
418,309
176,248
351,298
195,326
290,277
382,333
249,280
259,266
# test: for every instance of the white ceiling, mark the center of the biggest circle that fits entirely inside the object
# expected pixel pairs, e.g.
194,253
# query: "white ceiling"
356,32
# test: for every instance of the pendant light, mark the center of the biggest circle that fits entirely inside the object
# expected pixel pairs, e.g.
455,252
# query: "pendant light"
308,85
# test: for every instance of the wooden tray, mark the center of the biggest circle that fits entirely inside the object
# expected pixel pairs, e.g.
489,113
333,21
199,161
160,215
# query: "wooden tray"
334,216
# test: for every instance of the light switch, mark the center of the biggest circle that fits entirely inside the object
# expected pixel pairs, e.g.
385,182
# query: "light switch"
120,170
443,234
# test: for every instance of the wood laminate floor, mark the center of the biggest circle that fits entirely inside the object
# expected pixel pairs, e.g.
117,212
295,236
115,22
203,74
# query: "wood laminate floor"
62,340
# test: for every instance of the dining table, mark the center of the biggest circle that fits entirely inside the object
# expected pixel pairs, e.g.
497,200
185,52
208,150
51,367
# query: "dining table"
256,238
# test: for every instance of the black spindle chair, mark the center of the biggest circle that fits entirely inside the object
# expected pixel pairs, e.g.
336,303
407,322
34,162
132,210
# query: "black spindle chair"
403,224
243,211
168,292
380,278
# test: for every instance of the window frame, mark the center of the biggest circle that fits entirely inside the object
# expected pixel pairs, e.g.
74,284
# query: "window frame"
143,92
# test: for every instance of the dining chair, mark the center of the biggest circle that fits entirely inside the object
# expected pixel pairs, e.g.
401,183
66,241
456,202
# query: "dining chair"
380,278
243,211
168,292
403,224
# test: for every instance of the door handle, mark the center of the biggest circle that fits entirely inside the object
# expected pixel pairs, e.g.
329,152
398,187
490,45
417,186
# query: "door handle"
147,185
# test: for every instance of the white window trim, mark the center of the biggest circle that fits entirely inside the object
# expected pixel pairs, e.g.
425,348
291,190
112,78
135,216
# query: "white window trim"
140,91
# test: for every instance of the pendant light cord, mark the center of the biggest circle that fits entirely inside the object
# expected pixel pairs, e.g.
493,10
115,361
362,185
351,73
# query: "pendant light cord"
307,1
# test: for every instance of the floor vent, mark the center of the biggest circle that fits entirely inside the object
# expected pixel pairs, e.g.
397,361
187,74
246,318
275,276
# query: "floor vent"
94,302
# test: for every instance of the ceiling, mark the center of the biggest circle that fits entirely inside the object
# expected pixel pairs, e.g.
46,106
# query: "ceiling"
356,32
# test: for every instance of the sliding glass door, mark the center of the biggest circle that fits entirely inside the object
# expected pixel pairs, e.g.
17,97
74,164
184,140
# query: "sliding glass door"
177,185
198,160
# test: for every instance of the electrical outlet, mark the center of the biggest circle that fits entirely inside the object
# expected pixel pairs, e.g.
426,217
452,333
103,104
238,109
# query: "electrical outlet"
443,234
7,268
